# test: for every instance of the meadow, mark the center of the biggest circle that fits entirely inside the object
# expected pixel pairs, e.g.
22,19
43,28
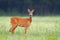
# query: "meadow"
41,28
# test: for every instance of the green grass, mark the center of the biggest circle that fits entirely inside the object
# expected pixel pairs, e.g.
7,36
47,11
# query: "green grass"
42,28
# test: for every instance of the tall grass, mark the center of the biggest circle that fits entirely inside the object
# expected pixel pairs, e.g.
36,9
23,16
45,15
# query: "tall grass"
42,28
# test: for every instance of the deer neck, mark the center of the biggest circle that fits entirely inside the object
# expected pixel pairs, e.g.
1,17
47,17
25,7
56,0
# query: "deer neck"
30,18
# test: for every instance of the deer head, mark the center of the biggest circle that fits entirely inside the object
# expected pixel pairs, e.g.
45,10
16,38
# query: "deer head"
30,12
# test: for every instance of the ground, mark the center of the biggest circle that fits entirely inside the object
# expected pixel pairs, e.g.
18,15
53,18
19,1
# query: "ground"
42,28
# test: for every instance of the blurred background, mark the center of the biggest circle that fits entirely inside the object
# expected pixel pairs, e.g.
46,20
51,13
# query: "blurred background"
19,7
45,21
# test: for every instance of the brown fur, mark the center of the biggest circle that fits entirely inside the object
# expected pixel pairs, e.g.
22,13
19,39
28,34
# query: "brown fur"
22,22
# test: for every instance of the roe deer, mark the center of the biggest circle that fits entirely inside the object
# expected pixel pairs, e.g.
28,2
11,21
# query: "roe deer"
23,22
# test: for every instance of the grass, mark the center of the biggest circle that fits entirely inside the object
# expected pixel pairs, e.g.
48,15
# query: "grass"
42,28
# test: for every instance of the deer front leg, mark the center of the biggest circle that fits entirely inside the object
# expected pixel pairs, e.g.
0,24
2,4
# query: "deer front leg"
13,28
25,30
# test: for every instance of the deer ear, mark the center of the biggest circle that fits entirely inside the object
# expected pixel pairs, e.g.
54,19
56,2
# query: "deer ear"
28,10
32,10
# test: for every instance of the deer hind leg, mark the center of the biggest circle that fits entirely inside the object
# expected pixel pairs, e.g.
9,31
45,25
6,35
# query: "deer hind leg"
13,28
